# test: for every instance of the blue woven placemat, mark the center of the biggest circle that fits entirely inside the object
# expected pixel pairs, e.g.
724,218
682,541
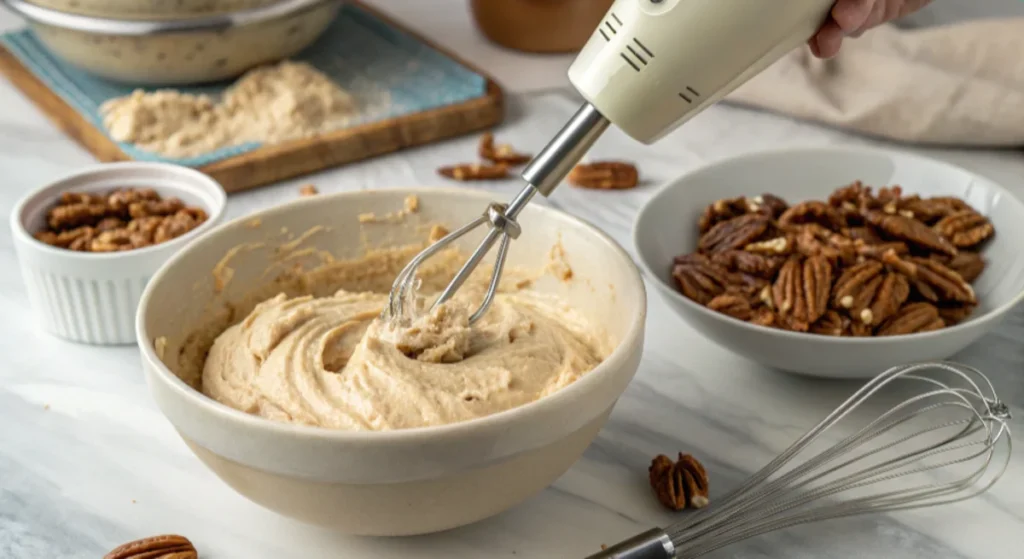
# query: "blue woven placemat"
362,53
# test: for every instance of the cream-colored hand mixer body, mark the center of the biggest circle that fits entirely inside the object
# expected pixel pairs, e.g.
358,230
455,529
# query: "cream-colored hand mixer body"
648,68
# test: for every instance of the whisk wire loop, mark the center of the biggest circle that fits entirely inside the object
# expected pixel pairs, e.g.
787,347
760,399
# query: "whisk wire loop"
935,446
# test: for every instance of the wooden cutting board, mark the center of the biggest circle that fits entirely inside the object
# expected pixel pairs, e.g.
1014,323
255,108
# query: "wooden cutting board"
269,164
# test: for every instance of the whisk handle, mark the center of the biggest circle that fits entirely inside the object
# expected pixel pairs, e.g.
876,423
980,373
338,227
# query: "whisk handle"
653,544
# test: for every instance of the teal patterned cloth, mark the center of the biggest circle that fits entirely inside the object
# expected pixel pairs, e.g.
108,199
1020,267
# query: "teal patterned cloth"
358,51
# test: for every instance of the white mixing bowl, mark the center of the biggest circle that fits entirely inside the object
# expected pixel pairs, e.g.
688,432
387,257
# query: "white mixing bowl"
405,481
667,227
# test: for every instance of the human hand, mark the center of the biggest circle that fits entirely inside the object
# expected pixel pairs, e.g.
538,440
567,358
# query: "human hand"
850,18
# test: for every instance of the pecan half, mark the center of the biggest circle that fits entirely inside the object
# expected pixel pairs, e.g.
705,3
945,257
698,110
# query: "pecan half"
500,153
933,280
764,316
734,234
911,231
734,305
814,240
698,278
474,172
969,265
863,234
930,210
911,319
605,175
965,229
157,547
812,212
769,204
802,289
748,262
681,484
856,288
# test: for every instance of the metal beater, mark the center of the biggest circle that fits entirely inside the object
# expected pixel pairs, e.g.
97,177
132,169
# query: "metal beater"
937,446
650,66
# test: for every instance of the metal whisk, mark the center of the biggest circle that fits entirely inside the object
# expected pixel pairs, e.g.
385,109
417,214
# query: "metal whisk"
934,447
544,173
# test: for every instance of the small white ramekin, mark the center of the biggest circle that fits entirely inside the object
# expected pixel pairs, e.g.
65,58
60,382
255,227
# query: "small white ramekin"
92,297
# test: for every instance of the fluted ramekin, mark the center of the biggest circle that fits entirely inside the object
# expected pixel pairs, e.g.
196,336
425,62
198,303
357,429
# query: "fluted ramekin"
92,297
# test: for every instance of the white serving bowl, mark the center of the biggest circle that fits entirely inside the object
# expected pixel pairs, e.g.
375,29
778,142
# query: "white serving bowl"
92,297
666,227
394,482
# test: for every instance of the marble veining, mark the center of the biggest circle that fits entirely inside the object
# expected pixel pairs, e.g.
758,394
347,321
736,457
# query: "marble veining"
87,461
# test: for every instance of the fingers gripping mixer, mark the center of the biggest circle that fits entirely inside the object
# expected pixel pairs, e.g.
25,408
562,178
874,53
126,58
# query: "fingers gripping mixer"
649,67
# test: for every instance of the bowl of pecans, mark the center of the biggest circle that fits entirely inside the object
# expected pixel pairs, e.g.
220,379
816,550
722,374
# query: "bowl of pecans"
835,262
88,243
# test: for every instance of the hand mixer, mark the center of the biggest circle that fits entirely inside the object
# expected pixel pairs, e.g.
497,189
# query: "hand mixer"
650,66
945,441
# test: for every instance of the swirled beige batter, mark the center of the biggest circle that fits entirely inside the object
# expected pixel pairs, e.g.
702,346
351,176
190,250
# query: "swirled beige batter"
330,362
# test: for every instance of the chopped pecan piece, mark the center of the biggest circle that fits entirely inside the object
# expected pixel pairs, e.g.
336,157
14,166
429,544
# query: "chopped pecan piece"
769,204
812,212
76,215
734,234
764,316
911,319
722,210
814,240
146,208
474,172
733,305
308,190
699,279
830,324
879,249
955,314
802,289
681,484
933,280
605,175
775,246
965,229
120,200
174,226
969,265
911,231
157,547
500,153
748,262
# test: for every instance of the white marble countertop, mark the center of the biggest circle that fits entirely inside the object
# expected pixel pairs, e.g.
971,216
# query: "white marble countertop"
88,462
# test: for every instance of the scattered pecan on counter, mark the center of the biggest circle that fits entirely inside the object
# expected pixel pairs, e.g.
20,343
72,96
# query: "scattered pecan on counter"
475,172
157,547
121,220
501,153
678,485
605,175
862,262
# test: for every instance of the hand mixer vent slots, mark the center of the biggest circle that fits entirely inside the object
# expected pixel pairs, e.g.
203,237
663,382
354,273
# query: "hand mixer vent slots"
689,95
608,29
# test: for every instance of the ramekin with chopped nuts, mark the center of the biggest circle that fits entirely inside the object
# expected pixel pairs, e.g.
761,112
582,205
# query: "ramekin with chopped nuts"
89,242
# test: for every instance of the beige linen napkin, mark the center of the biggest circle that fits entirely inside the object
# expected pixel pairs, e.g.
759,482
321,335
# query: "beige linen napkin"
960,84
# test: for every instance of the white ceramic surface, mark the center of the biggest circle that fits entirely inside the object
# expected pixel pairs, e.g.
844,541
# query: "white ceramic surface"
92,297
666,227
381,483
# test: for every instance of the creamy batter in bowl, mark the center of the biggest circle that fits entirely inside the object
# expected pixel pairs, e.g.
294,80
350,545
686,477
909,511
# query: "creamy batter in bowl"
407,479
